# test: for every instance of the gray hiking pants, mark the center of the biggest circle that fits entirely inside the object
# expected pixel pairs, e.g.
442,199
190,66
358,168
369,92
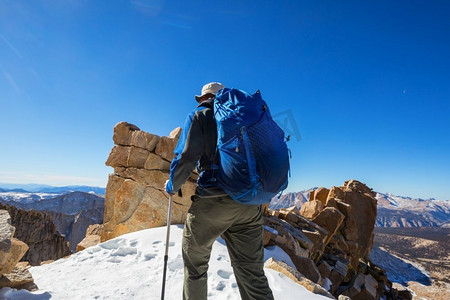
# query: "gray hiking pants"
241,227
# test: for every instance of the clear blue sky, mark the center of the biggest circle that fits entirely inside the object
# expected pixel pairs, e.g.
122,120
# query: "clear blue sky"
367,83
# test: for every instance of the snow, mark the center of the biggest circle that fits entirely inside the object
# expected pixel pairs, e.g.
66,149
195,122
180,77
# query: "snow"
130,267
25,198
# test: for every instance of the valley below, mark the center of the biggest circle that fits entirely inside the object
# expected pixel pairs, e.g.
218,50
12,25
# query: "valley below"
417,257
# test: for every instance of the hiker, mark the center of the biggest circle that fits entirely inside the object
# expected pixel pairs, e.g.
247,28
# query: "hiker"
214,213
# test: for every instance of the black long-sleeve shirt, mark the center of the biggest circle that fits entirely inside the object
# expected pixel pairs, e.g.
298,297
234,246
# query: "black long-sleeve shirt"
196,147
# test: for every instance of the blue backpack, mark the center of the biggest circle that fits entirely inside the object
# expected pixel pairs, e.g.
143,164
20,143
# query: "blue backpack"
253,155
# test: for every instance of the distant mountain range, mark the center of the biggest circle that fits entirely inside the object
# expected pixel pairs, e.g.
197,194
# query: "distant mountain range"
42,188
72,212
398,211
393,211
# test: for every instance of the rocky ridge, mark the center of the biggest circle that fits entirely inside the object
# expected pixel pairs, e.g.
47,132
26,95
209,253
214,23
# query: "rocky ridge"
328,241
72,213
39,232
330,238
12,274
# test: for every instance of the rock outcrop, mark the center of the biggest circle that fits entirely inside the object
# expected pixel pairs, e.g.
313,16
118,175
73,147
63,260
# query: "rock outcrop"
72,213
92,237
38,231
330,239
135,198
12,274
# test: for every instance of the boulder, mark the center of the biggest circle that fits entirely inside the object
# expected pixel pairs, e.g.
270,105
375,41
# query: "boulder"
123,133
311,209
308,268
344,208
296,276
355,286
330,218
88,241
360,223
18,278
127,134
289,238
321,195
92,238
6,233
355,185
290,210
336,193
324,269
369,289
17,251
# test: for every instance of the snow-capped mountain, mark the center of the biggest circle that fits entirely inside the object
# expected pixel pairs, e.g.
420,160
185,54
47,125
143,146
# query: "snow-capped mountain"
24,197
393,211
398,211
131,266
291,199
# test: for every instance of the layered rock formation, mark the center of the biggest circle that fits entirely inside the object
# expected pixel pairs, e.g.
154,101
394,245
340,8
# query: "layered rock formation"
135,198
39,232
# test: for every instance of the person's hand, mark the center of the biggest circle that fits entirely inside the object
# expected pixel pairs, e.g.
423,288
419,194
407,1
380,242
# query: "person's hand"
165,188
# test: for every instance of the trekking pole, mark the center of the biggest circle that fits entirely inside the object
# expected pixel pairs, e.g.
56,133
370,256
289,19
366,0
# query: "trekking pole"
166,254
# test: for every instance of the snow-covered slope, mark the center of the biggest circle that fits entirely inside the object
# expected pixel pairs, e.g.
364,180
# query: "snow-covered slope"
130,267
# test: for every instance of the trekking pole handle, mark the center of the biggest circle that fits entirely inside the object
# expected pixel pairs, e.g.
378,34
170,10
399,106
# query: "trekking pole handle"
169,220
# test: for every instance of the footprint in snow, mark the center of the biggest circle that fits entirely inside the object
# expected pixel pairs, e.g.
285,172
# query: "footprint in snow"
220,286
124,251
113,244
224,274
220,257
114,260
133,243
176,264
171,244
148,257
156,242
